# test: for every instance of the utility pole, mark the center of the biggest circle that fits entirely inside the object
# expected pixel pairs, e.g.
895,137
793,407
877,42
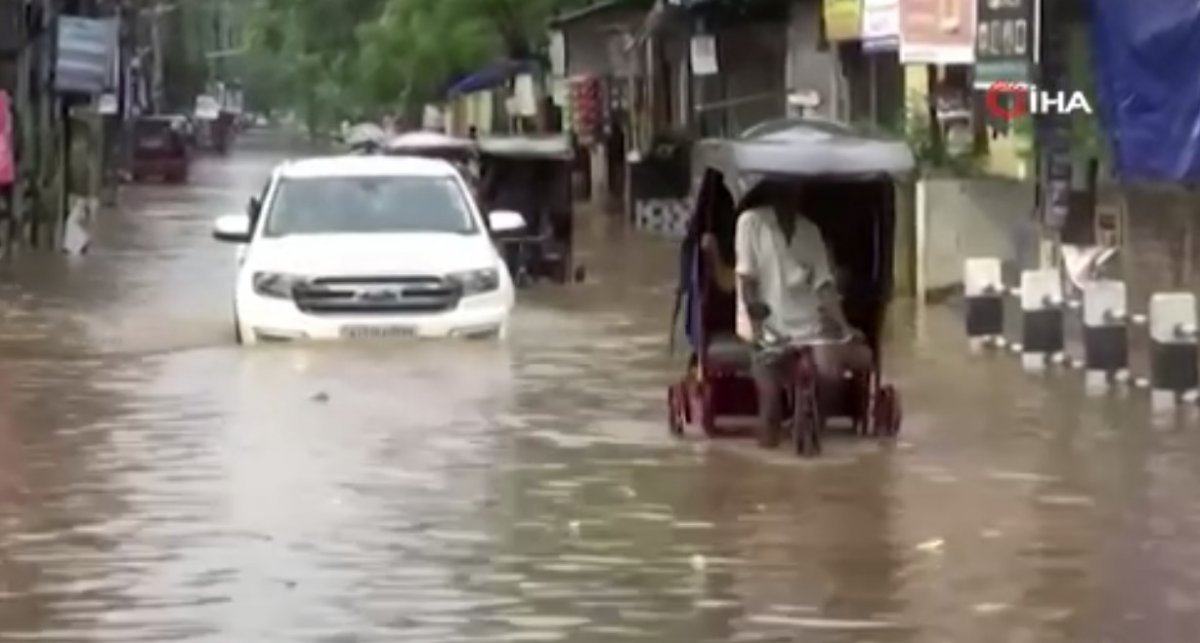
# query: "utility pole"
156,53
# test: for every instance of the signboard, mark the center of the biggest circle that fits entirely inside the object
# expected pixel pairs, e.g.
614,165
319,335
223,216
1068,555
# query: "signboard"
880,25
704,55
87,52
937,32
558,53
7,169
843,19
1006,41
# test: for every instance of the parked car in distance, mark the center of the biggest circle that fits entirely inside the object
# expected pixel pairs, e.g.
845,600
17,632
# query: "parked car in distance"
161,148
356,247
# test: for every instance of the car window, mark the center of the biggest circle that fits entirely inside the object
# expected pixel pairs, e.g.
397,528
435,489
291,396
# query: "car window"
363,204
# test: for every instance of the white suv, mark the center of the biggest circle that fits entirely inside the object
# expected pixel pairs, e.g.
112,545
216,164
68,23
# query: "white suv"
368,247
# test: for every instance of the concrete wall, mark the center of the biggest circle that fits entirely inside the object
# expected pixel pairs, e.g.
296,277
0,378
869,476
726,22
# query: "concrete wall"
965,218
809,70
1161,244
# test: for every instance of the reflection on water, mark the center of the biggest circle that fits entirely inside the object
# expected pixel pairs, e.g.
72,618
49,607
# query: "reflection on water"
157,484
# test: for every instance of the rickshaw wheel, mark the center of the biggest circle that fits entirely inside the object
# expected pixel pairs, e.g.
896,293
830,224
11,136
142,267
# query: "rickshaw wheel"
707,419
888,414
674,420
806,421
866,386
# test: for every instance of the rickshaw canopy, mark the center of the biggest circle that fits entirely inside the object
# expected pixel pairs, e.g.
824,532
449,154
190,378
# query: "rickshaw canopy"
532,148
802,148
418,142
365,134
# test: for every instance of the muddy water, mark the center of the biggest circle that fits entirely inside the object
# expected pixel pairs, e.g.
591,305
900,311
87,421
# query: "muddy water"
159,484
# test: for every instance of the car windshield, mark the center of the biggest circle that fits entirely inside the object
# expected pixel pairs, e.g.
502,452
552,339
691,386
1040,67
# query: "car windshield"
358,204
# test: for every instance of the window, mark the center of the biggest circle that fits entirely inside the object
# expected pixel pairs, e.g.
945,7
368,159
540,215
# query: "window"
369,204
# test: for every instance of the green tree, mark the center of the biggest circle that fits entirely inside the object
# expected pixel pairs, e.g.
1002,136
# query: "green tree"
345,58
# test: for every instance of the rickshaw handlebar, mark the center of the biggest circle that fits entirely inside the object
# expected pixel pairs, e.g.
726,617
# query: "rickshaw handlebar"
773,339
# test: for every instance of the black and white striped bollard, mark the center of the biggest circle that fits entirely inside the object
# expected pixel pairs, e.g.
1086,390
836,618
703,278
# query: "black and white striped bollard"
983,288
1042,306
1105,333
1174,358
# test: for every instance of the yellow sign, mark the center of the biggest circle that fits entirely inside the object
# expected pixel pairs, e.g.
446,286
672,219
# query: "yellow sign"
842,19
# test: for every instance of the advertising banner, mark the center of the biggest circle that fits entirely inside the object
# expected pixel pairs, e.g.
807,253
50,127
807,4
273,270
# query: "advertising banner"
937,32
7,169
880,25
843,19
1006,41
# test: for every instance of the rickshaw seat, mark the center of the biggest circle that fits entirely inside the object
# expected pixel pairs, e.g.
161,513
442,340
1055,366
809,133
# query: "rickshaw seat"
729,351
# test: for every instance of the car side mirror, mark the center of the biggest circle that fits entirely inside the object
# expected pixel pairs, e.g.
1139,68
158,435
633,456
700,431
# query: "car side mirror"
232,228
506,221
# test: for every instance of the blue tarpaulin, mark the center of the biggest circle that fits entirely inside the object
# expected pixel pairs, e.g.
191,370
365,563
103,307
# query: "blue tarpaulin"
1147,53
492,76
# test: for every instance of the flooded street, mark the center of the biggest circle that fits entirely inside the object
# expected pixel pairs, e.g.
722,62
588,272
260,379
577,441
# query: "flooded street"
157,483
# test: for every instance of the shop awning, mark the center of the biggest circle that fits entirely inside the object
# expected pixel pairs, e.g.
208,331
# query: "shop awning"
492,76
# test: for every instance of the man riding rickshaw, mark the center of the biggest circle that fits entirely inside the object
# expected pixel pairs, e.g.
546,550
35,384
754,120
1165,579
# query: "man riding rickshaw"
787,275
531,175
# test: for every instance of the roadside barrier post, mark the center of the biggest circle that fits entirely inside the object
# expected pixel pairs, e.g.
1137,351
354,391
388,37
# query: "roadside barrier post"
1105,333
1041,318
1174,365
983,286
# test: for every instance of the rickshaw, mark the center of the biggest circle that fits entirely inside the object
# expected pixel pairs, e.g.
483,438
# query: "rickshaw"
460,152
531,175
849,193
161,148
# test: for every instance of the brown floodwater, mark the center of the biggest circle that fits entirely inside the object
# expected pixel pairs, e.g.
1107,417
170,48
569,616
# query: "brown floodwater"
157,483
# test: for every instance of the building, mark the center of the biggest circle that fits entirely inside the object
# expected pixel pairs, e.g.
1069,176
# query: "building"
33,204
593,71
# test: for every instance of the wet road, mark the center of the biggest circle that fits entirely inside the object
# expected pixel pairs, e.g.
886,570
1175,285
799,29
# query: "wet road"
159,484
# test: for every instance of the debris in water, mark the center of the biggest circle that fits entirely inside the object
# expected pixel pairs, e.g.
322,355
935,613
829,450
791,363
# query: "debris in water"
574,527
931,546
321,397
699,562
990,608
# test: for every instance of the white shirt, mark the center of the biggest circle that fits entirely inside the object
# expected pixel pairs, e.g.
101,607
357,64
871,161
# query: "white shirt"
788,274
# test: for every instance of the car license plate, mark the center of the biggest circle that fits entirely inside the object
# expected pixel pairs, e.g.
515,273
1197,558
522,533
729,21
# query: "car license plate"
376,332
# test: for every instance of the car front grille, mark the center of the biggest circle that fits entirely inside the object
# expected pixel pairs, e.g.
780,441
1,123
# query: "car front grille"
377,295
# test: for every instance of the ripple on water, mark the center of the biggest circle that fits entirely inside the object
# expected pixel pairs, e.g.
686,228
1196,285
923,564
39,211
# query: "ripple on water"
180,489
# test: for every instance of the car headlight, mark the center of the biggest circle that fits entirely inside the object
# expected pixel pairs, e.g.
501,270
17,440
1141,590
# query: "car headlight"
276,285
475,282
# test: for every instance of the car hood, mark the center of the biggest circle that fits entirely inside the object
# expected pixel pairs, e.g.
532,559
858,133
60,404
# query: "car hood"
372,254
